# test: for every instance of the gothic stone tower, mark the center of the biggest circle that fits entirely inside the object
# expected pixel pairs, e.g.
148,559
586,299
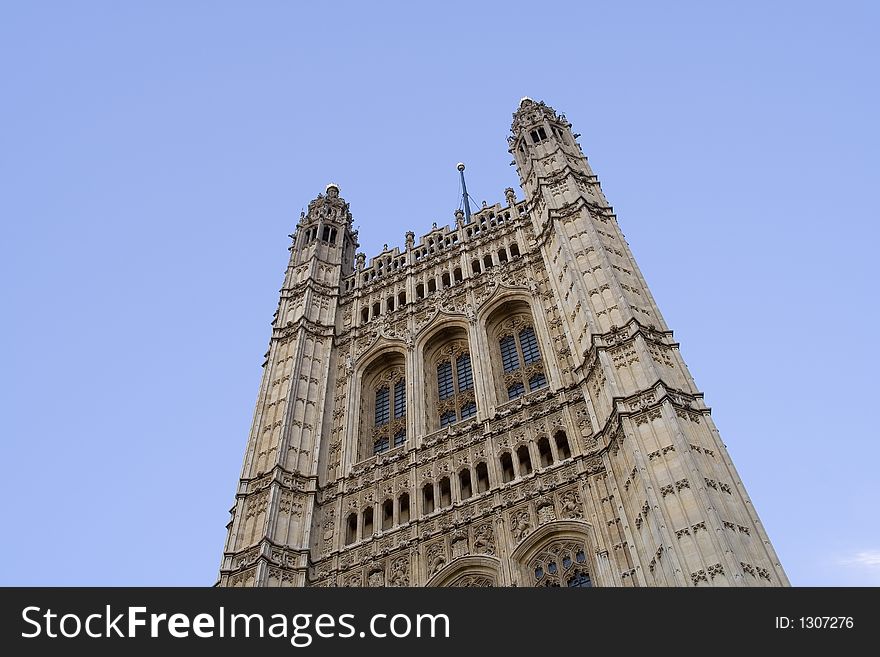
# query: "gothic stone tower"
500,404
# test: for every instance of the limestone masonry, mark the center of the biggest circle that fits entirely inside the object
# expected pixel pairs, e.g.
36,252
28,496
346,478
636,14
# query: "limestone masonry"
499,404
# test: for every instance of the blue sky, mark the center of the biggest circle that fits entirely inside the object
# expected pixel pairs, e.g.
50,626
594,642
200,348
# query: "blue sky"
155,155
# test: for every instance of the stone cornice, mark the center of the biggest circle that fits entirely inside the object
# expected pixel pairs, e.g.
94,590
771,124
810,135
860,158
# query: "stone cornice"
266,550
312,284
291,329
286,479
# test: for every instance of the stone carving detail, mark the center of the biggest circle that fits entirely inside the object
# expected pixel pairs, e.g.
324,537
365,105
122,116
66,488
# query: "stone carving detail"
546,513
289,503
376,578
247,558
520,524
459,543
570,504
435,557
399,574
484,539
352,579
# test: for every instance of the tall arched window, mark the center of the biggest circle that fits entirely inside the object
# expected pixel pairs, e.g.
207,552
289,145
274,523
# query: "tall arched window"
383,407
521,365
452,388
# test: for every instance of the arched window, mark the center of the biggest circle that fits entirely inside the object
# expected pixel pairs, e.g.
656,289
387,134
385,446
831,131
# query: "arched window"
506,467
389,303
502,255
456,275
428,498
387,514
475,266
351,528
448,358
482,478
545,452
432,285
401,299
487,261
365,314
562,447
445,493
403,508
383,406
522,367
514,250
464,484
524,459
367,526
445,279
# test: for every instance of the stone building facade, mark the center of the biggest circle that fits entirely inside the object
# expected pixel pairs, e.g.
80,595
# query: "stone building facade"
497,404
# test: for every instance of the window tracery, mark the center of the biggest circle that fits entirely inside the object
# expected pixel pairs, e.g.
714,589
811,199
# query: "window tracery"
383,409
454,400
521,362
561,563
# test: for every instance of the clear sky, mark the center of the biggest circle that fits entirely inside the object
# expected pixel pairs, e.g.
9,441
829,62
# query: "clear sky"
154,157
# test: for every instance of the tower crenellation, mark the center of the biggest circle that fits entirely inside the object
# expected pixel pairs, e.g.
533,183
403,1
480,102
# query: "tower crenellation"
497,403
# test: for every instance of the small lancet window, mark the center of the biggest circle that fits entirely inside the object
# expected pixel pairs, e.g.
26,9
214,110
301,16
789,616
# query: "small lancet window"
387,514
403,508
351,528
428,498
367,526
507,467
525,461
464,483
545,453
562,447
482,477
445,493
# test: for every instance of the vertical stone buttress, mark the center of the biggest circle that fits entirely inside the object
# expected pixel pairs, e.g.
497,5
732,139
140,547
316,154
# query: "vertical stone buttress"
672,497
269,534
